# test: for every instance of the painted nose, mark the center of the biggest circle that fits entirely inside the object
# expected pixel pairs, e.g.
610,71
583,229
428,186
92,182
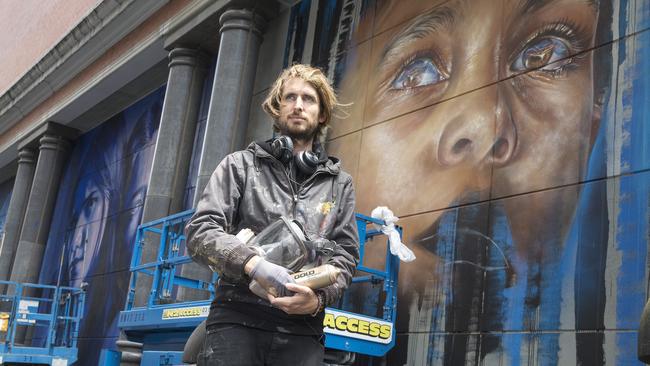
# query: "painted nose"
481,133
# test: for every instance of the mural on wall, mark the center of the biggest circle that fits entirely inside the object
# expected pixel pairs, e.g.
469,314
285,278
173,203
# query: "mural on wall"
97,212
5,195
512,138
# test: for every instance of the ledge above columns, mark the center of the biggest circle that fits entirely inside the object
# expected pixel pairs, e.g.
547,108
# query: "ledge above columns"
48,128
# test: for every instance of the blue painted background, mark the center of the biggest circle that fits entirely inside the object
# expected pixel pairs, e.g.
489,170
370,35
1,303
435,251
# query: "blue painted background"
5,194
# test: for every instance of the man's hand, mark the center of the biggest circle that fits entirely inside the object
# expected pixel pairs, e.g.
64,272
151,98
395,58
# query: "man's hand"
248,267
303,301
271,276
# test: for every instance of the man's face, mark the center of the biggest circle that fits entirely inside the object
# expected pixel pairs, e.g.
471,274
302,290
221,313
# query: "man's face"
299,110
488,97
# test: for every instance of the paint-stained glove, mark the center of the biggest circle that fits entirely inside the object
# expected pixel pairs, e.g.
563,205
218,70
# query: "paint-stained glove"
271,278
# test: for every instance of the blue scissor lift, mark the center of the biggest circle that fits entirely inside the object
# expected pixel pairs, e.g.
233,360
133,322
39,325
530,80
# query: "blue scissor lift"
163,324
47,316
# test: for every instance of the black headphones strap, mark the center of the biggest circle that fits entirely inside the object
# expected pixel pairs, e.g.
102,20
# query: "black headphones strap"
307,162
281,147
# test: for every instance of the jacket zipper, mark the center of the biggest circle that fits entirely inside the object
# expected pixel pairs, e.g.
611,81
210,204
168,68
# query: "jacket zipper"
294,194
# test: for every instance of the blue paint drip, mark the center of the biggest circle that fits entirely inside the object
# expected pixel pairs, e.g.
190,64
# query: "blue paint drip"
298,23
632,230
445,250
513,309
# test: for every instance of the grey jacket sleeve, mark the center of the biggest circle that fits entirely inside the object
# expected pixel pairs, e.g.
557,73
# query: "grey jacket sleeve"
209,231
346,236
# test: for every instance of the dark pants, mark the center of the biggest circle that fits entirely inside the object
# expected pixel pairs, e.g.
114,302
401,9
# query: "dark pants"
237,345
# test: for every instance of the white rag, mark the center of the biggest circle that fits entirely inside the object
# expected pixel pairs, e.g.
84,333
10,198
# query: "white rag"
396,246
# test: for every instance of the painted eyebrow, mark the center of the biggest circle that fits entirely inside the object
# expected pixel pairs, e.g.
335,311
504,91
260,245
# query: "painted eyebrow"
528,6
419,28
534,5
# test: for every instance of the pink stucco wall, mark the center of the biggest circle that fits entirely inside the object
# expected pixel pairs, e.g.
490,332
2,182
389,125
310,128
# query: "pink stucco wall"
31,28
146,30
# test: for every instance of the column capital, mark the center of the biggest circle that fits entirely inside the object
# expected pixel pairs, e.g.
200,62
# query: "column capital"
242,19
32,140
26,155
187,56
53,142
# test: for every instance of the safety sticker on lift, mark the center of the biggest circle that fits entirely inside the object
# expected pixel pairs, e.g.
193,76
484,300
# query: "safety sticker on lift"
186,312
357,326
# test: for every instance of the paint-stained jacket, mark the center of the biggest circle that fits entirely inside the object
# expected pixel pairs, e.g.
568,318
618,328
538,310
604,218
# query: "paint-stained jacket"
250,189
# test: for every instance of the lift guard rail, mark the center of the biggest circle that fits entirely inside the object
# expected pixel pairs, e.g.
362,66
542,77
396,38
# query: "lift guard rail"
49,315
161,324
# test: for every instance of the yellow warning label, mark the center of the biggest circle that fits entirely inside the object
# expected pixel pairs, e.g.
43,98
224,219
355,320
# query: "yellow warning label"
4,322
189,312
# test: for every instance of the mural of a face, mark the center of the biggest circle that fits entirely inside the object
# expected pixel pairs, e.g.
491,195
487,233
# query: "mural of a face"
97,213
87,227
477,123
441,125
103,199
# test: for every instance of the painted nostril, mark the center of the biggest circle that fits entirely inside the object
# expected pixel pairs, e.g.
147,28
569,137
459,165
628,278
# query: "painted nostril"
500,149
461,146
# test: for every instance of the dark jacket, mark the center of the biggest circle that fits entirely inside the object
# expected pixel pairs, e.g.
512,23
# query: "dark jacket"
251,189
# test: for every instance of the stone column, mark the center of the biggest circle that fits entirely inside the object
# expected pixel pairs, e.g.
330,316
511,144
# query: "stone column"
232,90
187,70
241,36
54,146
16,211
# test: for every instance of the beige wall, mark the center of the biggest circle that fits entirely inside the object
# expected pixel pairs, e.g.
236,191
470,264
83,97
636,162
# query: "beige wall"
30,28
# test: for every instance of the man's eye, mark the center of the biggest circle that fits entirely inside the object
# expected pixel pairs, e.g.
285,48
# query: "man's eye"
547,54
290,98
417,73
309,99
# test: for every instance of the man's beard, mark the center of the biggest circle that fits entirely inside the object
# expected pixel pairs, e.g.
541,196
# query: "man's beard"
302,135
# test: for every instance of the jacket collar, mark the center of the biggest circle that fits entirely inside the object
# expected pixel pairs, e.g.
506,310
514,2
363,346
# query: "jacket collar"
327,163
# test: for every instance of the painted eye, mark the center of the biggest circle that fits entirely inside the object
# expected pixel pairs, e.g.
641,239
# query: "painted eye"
418,73
547,54
89,204
139,195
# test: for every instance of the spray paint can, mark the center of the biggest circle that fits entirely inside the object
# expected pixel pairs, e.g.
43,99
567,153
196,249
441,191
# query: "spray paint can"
317,277
314,278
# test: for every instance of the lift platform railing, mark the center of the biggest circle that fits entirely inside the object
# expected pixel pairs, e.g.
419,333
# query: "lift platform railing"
345,330
47,317
171,254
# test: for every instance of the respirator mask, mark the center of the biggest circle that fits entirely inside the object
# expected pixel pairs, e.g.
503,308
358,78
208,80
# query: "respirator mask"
283,243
